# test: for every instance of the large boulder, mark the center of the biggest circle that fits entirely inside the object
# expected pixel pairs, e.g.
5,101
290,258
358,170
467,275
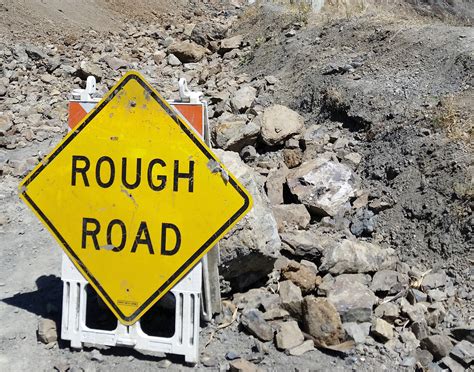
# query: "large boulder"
324,186
187,51
234,133
243,98
280,123
249,250
352,256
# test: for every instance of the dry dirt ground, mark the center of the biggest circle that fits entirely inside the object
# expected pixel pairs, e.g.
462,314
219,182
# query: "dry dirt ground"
405,102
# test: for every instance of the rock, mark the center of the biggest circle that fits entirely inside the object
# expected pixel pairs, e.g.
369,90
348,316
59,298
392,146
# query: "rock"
324,186
230,43
253,322
6,124
289,335
321,320
256,298
382,330
249,250
356,257
463,333
274,184
173,60
363,223
436,295
389,281
209,361
116,63
3,90
388,311
306,346
302,276
452,364
87,69
248,153
416,312
424,357
463,352
353,159
96,356
243,98
315,138
47,78
409,340
438,345
188,29
357,331
279,123
233,133
420,330
232,355
292,157
291,297
291,216
242,365
47,331
353,300
436,314
409,362
308,244
274,314
35,53
187,51
434,280
159,56
414,296
164,363
205,32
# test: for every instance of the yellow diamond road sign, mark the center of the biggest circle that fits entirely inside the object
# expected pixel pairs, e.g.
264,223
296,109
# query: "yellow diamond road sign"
134,197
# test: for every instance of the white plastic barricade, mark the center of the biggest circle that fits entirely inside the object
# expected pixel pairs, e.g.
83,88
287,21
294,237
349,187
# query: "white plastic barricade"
184,341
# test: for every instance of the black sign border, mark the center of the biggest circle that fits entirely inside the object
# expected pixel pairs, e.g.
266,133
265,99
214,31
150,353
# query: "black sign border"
191,261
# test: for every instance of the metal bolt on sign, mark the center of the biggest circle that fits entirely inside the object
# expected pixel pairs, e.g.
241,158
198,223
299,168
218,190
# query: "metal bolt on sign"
143,204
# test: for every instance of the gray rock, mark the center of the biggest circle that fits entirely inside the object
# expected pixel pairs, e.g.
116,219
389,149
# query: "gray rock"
463,333
356,257
353,159
291,297
47,331
159,56
248,153
436,295
436,314
187,51
357,331
416,312
96,356
242,365
254,323
306,346
88,68
409,340
291,216
233,133
424,357
415,295
274,184
279,123
389,281
324,186
230,43
453,365
463,352
232,355
173,60
438,345
250,249
276,313
388,311
434,280
305,243
47,78
116,63
353,300
243,98
35,53
5,124
289,335
409,361
382,330
315,138
322,321
256,298
420,330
